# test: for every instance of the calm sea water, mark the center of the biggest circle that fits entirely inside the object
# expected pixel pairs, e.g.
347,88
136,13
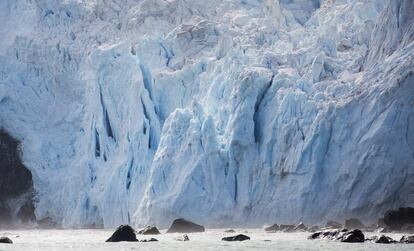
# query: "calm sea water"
91,240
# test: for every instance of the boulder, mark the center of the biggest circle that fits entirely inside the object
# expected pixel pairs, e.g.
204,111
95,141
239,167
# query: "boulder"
340,235
123,233
314,236
149,240
333,235
354,223
396,219
5,240
239,237
184,226
183,238
272,228
355,235
333,224
384,240
407,239
149,230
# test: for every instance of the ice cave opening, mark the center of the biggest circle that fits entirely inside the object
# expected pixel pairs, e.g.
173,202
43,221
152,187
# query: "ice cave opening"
16,184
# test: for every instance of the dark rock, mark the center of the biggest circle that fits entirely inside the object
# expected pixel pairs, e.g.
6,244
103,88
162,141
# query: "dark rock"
123,233
240,237
183,238
149,240
396,219
230,231
5,240
149,230
287,228
340,235
384,240
333,224
272,228
184,226
354,223
407,239
315,236
300,227
334,235
355,235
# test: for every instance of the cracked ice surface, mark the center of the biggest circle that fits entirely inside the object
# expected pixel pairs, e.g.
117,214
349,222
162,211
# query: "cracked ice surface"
223,112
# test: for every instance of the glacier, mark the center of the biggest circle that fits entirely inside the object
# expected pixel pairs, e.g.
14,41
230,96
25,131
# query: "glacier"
234,112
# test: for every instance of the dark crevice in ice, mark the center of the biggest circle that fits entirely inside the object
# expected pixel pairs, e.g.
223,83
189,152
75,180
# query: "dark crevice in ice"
106,120
97,144
259,100
16,184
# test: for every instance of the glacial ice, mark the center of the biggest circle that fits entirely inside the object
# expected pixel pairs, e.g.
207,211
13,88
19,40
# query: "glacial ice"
240,112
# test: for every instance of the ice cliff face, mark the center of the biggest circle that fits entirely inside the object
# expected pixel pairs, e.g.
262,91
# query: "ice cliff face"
223,112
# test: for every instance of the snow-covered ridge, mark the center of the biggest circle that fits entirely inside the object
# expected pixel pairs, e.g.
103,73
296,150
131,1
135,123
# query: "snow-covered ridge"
223,112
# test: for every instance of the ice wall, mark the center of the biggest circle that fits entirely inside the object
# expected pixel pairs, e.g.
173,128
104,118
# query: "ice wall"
223,112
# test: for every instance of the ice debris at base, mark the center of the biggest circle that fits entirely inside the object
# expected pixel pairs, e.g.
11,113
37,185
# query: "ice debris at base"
235,111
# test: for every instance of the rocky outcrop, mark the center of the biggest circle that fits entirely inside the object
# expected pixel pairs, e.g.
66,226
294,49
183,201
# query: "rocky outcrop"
272,228
149,240
383,239
355,235
239,237
184,226
149,230
407,239
343,235
5,240
123,233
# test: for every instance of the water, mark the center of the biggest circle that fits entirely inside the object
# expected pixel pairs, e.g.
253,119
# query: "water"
91,240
